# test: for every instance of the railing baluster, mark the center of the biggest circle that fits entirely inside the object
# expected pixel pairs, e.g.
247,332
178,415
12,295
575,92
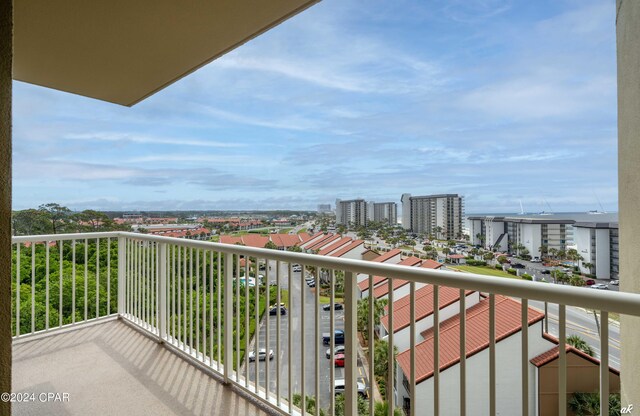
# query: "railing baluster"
185,305
143,285
492,354
436,350
109,276
204,304
237,315
33,287
86,278
211,258
351,351
73,281
191,301
46,313
197,345
562,361
303,362
228,317
219,310
179,294
278,325
412,345
525,356
162,291
317,339
19,288
290,340
256,345
463,353
371,345
247,315
97,277
604,362
61,245
389,389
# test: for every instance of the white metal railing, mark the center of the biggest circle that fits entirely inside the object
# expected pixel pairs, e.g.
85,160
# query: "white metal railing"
200,300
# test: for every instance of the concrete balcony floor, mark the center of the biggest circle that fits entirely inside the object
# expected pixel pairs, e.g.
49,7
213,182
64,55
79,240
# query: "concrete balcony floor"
113,369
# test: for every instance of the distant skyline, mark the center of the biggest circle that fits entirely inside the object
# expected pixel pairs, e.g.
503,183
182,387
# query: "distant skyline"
497,100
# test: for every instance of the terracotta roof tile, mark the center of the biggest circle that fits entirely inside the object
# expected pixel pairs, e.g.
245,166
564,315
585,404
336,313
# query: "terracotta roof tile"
364,285
255,240
554,353
424,305
228,239
430,264
386,256
344,250
323,242
336,245
507,323
383,289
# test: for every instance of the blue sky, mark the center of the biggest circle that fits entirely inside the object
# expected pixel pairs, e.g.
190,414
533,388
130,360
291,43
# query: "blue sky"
497,100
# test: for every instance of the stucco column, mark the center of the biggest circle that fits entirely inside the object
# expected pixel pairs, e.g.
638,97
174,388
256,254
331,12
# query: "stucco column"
628,40
6,55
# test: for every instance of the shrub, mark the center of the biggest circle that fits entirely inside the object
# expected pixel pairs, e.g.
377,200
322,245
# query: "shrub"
527,276
476,263
499,266
512,271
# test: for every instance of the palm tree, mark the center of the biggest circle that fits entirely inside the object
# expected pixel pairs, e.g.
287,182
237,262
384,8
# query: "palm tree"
364,313
588,266
310,403
382,409
577,342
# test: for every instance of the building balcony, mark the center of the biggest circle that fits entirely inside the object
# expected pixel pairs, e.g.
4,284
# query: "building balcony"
138,324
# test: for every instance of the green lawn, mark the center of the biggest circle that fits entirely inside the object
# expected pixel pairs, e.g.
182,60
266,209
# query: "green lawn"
327,299
484,270
304,230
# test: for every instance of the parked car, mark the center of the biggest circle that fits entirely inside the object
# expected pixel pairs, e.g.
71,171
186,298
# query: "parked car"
273,309
536,260
615,282
339,360
518,266
600,286
297,268
338,335
338,350
338,387
311,283
590,282
262,355
546,271
336,307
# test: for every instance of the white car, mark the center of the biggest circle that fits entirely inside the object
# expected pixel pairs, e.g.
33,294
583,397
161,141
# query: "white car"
338,387
600,286
262,355
615,282
297,268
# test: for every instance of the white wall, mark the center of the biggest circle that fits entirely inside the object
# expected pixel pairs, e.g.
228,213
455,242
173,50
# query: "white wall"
530,237
603,260
402,291
508,385
355,254
582,238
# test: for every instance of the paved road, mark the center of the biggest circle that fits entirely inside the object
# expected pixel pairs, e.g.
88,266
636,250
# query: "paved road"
582,323
280,363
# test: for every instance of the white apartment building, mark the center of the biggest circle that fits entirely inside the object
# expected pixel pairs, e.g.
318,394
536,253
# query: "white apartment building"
385,212
597,243
506,233
351,212
438,215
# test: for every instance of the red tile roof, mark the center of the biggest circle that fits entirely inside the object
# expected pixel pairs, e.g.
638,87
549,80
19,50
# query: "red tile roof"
383,289
303,237
386,256
507,323
364,285
255,240
285,240
336,245
310,237
430,264
424,305
344,250
228,239
554,353
323,242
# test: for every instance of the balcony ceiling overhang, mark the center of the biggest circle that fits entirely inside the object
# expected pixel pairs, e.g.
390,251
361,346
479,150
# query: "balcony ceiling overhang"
123,51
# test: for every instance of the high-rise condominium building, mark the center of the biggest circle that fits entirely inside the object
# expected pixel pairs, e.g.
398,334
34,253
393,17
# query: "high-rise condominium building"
385,212
324,208
352,212
437,215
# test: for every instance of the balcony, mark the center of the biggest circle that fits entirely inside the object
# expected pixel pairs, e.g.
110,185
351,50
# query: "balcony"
167,325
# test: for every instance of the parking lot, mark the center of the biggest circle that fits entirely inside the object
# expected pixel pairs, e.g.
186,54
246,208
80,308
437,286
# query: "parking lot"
280,364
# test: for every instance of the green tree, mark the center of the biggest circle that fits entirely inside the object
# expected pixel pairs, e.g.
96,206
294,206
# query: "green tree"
382,409
364,313
381,363
587,404
271,245
310,403
30,222
56,214
577,342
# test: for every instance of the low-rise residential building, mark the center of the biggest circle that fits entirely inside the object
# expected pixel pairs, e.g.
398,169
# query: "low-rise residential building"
380,285
597,243
508,327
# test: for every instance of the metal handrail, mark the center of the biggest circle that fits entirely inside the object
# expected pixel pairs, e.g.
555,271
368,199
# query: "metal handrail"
619,302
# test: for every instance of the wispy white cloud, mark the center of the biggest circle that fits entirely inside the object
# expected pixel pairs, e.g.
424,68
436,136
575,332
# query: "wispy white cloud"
138,138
